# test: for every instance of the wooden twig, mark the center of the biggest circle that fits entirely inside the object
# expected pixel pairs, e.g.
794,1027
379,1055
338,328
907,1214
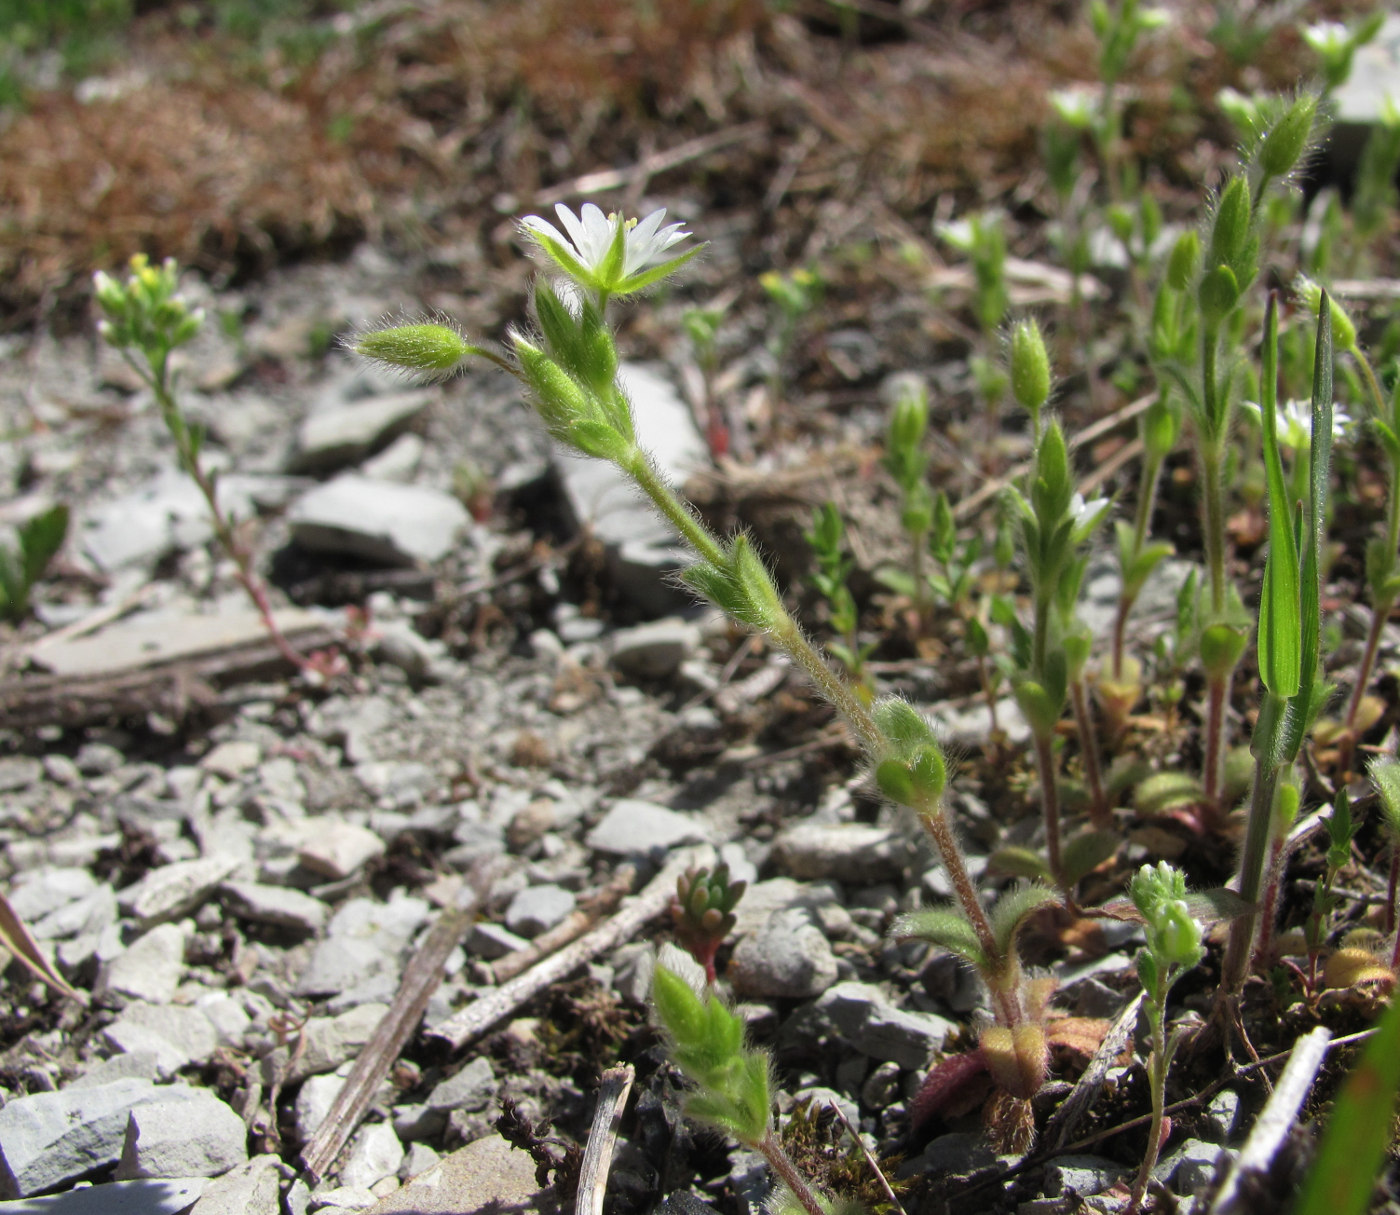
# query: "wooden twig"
172,689
604,903
1273,1124
869,1158
485,1011
613,1089
420,980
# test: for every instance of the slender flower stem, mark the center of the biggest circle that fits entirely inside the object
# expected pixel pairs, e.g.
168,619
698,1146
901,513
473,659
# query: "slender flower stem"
157,378
1157,1081
934,817
785,633
1217,696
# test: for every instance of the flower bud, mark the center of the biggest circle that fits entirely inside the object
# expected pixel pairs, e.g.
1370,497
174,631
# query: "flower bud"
431,351
1218,294
1229,234
1185,256
1288,137
1030,366
1051,489
1343,327
1161,426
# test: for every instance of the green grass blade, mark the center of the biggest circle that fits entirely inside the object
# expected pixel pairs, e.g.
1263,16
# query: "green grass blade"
1358,1133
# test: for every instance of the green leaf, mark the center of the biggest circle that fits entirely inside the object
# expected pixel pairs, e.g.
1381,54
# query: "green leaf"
1014,908
1343,1175
1280,640
901,582
40,539
1165,791
1086,852
942,927
1019,862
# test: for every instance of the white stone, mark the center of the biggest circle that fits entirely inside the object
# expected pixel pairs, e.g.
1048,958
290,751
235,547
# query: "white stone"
149,969
375,1153
378,520
188,1132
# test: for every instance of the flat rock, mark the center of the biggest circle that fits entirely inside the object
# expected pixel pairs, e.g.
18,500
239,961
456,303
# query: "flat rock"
344,433
643,549
148,969
863,1017
378,520
469,1089
327,1043
788,958
764,898
632,827
232,759
654,650
314,1102
852,853
278,905
40,892
161,637
486,1175
170,891
249,1189
175,1033
1082,1174
48,1139
537,909
337,849
189,1132
171,1196
375,1153
364,939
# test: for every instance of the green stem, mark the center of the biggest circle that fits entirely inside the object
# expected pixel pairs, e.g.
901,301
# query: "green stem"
650,481
934,817
1213,519
1256,843
1050,805
1099,813
1157,1081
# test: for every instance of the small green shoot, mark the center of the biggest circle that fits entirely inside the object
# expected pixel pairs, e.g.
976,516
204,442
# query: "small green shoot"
40,537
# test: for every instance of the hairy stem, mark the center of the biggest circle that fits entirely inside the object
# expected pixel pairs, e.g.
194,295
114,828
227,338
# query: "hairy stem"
1099,813
781,1163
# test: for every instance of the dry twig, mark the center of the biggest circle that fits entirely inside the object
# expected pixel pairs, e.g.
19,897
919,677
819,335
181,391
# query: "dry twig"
613,1089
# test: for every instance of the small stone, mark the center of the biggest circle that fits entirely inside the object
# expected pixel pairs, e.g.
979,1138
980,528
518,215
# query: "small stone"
345,432
492,941
189,1132
1221,1116
275,905
249,1189
1189,1168
327,1043
881,1087
655,650
51,1138
420,1158
41,892
19,772
486,1175
537,909
1082,1175
343,1198
470,1089
397,462
853,853
149,1065
378,520
788,958
177,1034
375,1153
145,1197
863,1017
634,827
314,1102
338,849
232,759
365,939
172,890
149,969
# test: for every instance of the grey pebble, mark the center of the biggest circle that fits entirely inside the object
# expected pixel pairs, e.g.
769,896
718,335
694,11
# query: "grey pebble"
146,1197
275,905
149,969
787,958
189,1132
639,828
855,853
537,909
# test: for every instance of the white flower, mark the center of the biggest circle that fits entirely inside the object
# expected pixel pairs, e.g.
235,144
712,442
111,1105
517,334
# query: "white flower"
1295,423
585,246
1327,38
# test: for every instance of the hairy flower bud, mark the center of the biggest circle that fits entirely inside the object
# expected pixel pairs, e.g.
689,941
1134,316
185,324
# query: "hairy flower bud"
1284,144
1030,366
428,351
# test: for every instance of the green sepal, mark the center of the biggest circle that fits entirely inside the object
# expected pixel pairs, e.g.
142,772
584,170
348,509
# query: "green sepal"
1218,294
1281,148
1230,226
1185,257
1051,488
1030,366
1221,647
943,927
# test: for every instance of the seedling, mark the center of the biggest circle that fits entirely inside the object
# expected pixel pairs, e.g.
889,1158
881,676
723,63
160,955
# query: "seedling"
1173,947
146,320
40,538
702,913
